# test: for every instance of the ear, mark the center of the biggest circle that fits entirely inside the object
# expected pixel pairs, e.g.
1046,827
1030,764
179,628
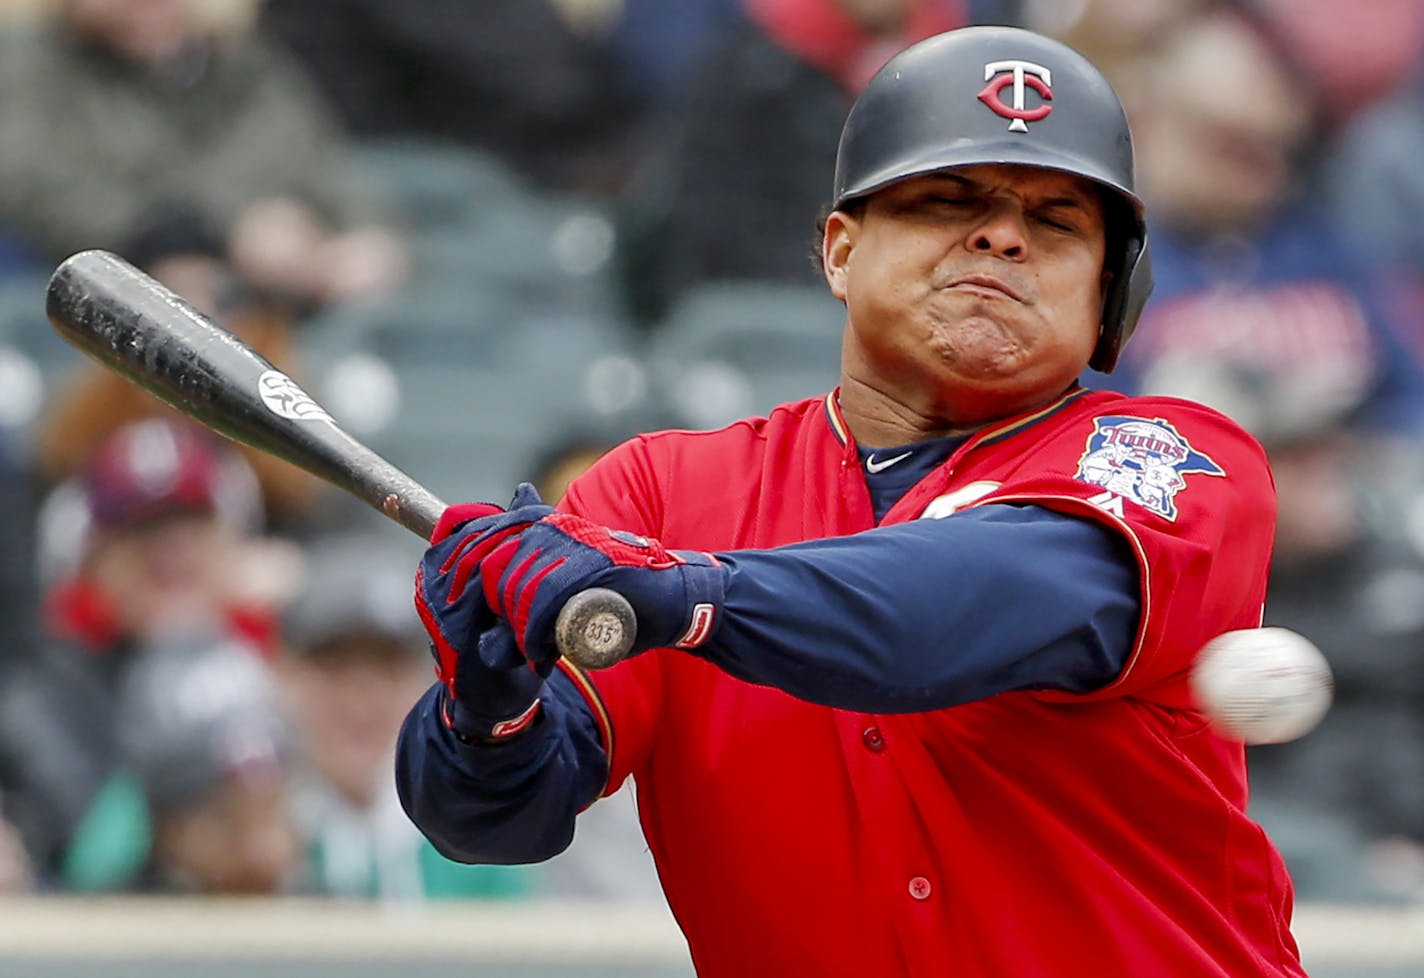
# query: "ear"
842,230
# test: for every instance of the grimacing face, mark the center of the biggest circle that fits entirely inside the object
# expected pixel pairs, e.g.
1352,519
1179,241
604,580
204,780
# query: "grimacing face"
971,294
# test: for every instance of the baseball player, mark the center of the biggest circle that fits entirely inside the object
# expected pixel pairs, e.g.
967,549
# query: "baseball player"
924,718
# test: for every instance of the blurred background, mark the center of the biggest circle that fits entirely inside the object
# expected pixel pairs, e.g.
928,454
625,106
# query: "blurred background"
496,237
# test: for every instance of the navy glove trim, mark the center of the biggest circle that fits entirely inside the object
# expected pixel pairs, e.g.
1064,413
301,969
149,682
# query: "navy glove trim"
469,728
705,596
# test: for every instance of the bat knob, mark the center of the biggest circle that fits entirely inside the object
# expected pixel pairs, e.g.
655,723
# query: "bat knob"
596,628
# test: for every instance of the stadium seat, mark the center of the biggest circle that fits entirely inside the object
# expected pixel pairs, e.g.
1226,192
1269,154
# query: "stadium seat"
419,324
729,349
469,423
435,184
475,225
514,258
546,252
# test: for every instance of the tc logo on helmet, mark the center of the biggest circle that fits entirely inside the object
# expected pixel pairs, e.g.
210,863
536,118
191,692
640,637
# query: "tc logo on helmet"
1002,74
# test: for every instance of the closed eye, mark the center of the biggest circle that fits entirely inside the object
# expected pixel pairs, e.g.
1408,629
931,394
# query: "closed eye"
1059,223
1062,213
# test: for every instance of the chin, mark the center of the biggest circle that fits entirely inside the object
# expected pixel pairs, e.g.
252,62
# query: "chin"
1010,367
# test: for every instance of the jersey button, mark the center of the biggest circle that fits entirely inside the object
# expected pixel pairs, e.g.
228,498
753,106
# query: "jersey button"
873,738
920,888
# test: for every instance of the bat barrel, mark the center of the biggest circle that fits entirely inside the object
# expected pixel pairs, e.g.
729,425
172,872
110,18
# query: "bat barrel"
127,321
132,324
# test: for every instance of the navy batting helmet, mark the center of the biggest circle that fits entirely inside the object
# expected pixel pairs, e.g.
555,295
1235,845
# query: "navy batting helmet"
1003,95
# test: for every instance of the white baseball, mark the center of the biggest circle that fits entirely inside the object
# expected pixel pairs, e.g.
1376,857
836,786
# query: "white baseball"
1263,685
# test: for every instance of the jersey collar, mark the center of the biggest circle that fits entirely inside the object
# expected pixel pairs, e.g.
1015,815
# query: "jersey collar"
835,419
994,432
1009,426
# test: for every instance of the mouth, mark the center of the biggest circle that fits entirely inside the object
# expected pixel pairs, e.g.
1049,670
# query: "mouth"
985,285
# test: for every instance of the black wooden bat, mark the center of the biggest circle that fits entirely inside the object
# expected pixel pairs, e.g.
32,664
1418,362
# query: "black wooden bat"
133,324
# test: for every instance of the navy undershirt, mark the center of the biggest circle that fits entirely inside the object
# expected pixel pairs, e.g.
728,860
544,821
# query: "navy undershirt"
891,472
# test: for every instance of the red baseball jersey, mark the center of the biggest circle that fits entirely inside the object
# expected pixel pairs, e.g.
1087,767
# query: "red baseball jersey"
1030,834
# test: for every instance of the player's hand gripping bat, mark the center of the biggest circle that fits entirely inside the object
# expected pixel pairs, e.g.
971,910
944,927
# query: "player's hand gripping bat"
133,324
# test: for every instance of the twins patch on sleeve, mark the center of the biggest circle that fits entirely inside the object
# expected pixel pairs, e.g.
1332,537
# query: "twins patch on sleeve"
1142,460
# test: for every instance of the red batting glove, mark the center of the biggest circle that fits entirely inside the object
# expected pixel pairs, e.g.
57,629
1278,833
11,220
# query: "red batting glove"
676,595
491,692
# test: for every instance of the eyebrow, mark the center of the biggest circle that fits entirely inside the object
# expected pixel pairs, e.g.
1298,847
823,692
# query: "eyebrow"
1081,201
1078,202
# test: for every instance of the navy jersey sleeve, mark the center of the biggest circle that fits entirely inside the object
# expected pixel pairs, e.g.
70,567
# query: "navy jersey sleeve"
933,613
513,802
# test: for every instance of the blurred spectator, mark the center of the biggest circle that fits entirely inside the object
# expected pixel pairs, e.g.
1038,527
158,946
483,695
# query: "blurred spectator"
117,108
354,654
1373,176
514,78
1121,37
181,251
1365,67
1346,803
1248,270
1354,55
744,162
156,552
656,44
202,735
1372,180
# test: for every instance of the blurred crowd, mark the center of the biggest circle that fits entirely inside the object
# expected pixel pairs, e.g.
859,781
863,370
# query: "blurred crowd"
494,238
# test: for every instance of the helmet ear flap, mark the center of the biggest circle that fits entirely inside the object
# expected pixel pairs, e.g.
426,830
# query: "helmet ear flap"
1127,295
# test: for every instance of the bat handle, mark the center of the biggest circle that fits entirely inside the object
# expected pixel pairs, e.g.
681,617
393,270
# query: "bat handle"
596,628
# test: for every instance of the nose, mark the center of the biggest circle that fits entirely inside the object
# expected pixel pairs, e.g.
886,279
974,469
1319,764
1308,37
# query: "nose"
1002,232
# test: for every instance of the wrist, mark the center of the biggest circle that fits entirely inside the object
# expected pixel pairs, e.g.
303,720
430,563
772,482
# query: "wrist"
473,728
705,586
677,607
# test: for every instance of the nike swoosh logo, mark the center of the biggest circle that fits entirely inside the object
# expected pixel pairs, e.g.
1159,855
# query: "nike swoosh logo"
874,467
